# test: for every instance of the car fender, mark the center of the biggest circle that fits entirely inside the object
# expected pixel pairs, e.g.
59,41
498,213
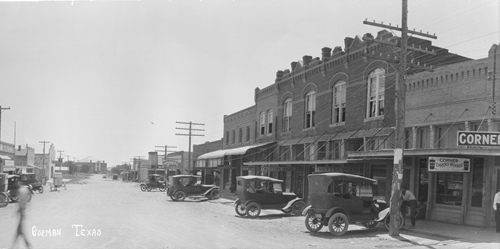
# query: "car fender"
290,203
336,210
251,200
382,214
211,189
304,212
237,201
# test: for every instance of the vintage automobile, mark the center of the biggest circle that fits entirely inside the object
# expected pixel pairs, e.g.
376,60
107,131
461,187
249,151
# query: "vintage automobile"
9,193
154,182
182,186
115,177
338,199
261,192
30,179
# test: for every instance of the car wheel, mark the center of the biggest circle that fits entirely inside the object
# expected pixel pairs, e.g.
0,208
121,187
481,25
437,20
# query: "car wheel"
215,194
298,207
162,188
370,224
313,222
172,197
40,190
180,195
149,189
4,200
253,209
240,209
143,188
338,224
387,221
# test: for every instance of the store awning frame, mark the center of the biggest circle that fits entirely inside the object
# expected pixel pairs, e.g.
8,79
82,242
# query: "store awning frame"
230,152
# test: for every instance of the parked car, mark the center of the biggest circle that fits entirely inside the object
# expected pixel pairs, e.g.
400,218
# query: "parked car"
154,182
11,193
104,177
182,186
339,199
30,179
261,192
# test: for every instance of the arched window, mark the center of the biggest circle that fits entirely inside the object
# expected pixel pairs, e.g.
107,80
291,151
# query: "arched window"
376,90
270,121
287,115
262,123
310,109
338,108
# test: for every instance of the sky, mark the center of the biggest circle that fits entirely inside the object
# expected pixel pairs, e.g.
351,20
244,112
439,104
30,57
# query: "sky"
109,80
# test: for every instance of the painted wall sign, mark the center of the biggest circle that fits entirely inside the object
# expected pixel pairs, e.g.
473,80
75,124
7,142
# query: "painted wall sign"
478,138
448,164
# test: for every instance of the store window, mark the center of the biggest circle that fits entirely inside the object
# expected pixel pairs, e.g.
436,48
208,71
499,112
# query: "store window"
379,173
449,188
477,183
334,152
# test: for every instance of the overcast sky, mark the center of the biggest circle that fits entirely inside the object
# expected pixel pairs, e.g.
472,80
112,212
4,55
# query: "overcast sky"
109,79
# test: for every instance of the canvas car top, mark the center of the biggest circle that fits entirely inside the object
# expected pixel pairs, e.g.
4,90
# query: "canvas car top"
261,178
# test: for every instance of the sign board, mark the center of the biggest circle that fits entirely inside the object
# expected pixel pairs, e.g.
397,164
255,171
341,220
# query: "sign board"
448,164
478,138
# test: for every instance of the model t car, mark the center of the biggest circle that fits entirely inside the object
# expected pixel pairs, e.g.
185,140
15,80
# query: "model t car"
30,179
9,189
182,186
261,192
338,199
153,182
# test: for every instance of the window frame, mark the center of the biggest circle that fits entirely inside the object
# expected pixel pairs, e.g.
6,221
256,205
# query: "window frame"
270,121
262,123
340,88
310,109
375,97
287,115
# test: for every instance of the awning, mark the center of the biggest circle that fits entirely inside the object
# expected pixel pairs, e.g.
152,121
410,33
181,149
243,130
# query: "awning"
5,157
229,152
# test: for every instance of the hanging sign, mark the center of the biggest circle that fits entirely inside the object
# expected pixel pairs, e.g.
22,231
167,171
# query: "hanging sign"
477,138
448,164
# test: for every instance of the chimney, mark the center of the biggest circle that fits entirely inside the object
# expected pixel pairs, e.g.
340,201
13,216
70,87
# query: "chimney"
294,66
326,53
307,60
347,43
337,51
368,36
279,75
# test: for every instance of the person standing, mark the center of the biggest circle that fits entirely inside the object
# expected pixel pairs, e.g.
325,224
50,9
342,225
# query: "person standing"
409,200
496,207
23,194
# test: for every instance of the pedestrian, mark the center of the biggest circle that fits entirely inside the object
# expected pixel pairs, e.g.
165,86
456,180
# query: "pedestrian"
409,200
496,207
23,197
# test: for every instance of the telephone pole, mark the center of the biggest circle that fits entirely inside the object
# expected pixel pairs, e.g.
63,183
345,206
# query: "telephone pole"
400,98
1,109
190,134
166,150
43,162
60,159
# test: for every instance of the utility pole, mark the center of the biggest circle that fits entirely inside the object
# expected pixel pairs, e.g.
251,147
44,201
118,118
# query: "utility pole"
400,98
190,134
166,150
43,162
138,158
1,109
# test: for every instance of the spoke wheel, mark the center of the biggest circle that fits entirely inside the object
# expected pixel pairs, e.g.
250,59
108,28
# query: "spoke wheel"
387,221
253,209
369,224
180,195
240,209
143,188
214,195
4,200
313,222
40,190
149,189
162,188
338,224
298,207
173,197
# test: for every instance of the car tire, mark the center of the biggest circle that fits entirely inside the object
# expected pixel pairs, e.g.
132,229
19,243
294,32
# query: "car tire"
143,188
338,224
40,190
298,207
253,209
149,189
162,188
370,224
180,195
4,200
240,209
172,197
387,221
214,195
313,224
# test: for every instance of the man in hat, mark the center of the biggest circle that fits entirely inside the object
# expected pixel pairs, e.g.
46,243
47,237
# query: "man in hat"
496,207
409,200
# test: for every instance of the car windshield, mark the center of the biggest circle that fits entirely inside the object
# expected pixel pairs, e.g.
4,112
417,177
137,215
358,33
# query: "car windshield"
358,189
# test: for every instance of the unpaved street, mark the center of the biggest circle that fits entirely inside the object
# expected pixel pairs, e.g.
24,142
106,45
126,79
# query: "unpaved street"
113,214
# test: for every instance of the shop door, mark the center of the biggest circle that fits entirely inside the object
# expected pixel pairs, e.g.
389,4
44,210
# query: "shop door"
495,189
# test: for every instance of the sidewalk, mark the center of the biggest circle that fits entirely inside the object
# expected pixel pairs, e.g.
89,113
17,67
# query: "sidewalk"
454,232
